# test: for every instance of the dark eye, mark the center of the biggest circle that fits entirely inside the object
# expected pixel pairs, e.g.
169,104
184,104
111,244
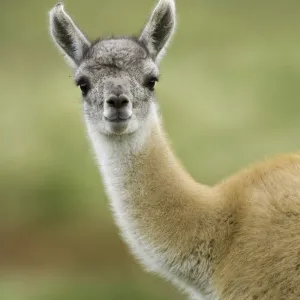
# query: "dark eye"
84,85
150,83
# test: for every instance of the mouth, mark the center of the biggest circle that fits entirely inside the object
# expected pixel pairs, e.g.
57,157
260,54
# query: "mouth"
118,120
117,125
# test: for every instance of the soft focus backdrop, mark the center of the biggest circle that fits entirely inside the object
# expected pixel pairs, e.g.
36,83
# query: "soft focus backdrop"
229,94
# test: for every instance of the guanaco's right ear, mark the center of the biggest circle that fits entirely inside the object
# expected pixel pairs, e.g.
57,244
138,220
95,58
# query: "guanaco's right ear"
66,35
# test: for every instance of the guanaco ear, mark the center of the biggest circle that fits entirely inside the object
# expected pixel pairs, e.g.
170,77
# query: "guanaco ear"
158,31
66,35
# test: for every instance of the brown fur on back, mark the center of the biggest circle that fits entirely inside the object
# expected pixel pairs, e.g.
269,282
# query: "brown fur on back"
263,261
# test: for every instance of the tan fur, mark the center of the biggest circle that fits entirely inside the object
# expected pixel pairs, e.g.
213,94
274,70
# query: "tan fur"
263,261
238,240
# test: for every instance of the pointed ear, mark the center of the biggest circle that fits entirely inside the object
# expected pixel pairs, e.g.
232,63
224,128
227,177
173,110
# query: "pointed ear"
158,31
66,35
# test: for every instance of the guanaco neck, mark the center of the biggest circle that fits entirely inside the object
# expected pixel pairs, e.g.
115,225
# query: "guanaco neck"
161,210
144,165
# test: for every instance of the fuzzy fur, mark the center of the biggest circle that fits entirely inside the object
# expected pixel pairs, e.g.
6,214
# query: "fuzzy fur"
237,240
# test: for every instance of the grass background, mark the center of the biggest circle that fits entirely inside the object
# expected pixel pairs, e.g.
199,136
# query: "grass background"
229,94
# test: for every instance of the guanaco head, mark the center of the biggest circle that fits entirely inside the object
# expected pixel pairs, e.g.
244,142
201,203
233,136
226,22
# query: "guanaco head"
117,76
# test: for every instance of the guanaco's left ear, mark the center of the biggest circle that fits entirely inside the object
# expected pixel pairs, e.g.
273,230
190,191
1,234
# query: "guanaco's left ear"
158,31
67,36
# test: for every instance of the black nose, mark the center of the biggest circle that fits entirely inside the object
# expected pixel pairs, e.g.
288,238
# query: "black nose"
117,101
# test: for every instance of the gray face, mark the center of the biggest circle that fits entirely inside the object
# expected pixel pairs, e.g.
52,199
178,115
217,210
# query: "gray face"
117,78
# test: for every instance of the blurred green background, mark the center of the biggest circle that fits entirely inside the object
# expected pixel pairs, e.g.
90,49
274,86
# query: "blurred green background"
229,94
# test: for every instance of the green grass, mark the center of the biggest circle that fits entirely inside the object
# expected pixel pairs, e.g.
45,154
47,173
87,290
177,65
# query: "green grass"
58,288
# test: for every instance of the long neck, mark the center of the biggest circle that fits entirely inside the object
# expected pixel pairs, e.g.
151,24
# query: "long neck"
144,165
161,210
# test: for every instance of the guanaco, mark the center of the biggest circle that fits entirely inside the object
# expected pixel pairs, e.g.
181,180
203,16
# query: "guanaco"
237,240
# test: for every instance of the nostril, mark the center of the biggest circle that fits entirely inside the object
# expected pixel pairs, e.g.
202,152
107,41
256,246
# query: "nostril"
111,102
124,102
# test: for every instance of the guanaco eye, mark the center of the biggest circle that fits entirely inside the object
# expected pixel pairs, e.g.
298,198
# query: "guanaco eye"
84,85
150,83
